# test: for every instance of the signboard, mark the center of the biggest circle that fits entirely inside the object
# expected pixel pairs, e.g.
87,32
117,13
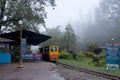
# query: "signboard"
112,56
37,56
32,56
23,46
27,56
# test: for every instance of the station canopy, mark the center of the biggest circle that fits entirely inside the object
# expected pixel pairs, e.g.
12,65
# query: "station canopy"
5,40
31,37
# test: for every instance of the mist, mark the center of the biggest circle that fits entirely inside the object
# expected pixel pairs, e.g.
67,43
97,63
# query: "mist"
100,27
96,25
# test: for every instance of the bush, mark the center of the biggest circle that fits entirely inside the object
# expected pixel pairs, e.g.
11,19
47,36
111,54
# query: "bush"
102,62
91,47
103,55
65,55
80,56
97,51
99,58
73,54
96,59
90,54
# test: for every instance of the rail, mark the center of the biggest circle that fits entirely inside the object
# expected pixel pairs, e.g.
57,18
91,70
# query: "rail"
108,76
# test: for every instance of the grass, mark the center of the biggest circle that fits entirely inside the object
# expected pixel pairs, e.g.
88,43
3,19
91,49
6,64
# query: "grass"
87,64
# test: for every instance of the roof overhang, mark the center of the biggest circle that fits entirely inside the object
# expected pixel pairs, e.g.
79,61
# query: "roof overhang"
31,37
5,40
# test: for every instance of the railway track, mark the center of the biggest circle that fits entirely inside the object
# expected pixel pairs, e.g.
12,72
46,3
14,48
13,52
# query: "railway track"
112,77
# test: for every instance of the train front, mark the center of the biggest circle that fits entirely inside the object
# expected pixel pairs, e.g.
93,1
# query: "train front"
54,55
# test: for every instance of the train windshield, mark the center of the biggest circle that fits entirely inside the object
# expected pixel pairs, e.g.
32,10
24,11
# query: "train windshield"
54,49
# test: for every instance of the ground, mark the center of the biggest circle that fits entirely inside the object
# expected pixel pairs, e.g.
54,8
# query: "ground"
42,71
31,71
69,74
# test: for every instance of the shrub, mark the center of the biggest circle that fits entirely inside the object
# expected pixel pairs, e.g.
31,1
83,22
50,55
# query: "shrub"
73,54
103,55
90,54
80,56
99,60
97,51
96,59
65,55
102,62
91,47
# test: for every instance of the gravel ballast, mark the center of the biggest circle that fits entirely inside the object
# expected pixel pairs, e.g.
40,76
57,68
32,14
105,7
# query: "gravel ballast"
69,74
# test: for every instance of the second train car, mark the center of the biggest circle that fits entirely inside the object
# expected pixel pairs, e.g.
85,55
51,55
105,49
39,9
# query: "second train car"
50,53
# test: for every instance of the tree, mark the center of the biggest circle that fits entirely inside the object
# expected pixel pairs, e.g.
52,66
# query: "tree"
32,12
56,36
107,23
69,38
91,47
111,10
66,40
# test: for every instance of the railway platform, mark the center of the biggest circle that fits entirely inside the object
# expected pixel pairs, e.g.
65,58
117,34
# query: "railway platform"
31,71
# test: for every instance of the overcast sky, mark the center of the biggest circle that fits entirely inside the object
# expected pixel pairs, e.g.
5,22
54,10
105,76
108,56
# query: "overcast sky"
69,11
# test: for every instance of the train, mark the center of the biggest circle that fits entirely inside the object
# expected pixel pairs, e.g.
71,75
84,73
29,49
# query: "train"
49,53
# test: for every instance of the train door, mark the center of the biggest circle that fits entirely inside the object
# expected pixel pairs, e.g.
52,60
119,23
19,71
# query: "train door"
45,55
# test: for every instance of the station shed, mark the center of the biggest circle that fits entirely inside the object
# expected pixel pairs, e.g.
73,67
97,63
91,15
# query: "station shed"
32,38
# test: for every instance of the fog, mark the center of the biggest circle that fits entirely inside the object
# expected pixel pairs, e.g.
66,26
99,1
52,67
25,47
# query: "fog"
94,21
70,11
80,14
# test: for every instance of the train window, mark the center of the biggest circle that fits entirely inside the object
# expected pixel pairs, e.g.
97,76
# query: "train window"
54,49
46,49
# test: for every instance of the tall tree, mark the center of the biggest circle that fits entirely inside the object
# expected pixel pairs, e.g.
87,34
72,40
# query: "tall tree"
69,38
107,23
110,13
56,36
32,12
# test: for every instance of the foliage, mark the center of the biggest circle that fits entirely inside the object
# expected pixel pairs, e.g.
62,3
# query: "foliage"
69,38
66,40
97,51
32,12
90,54
65,55
91,47
86,65
102,62
106,23
80,56
95,56
103,54
96,59
56,34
